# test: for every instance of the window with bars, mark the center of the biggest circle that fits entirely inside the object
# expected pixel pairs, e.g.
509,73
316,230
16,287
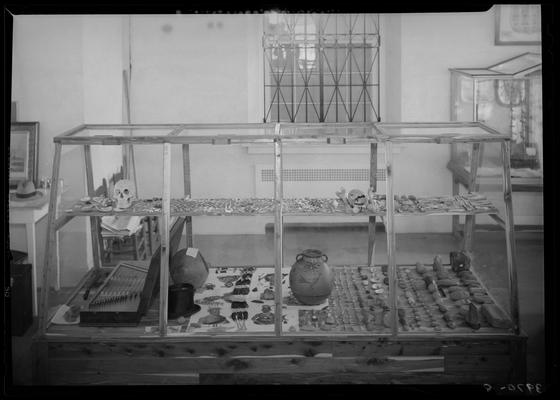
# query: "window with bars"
321,67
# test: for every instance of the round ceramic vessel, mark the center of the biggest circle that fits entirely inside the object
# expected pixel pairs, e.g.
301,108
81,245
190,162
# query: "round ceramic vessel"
185,268
311,279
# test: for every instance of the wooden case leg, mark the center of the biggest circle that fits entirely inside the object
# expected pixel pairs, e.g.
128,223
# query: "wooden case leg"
187,191
149,235
455,230
135,249
470,219
518,352
39,354
278,232
372,225
50,246
510,237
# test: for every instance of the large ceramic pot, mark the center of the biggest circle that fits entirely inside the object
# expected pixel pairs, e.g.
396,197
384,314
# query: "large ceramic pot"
188,266
311,279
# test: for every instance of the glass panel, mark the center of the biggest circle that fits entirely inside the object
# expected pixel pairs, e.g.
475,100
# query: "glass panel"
234,249
315,218
432,130
490,263
319,131
73,262
330,67
358,103
372,101
72,185
121,132
286,104
372,23
474,71
227,132
343,105
275,24
434,293
518,64
116,239
271,104
462,102
511,106
330,104
495,108
536,120
232,208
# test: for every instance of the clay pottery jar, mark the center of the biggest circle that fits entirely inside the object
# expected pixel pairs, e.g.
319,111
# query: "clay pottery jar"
311,279
188,266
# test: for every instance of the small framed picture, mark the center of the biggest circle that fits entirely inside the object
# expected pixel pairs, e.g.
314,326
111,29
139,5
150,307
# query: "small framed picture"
24,146
518,24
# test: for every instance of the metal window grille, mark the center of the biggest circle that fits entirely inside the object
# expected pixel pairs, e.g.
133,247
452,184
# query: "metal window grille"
321,67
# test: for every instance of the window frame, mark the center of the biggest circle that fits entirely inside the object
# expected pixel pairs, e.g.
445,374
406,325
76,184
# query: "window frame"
359,36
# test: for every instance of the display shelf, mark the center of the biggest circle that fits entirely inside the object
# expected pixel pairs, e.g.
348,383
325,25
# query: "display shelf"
97,213
465,204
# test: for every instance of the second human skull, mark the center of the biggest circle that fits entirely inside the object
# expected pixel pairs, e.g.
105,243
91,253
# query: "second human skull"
124,193
356,198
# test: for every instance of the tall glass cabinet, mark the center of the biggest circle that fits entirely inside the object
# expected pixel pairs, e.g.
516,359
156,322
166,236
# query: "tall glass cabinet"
507,97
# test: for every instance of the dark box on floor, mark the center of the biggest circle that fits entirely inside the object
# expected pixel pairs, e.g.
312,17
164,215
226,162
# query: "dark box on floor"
21,298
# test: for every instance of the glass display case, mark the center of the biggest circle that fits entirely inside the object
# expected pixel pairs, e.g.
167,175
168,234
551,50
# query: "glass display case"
507,97
231,282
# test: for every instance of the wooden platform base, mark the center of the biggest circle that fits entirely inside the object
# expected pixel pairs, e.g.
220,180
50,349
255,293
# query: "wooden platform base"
261,360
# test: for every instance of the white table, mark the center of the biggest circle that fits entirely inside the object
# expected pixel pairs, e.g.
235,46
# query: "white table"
20,213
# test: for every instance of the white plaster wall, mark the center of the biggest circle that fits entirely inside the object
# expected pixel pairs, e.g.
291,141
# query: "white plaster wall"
47,77
67,71
48,86
390,71
103,63
191,72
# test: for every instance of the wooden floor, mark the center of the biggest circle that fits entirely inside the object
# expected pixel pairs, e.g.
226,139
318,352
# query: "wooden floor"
347,245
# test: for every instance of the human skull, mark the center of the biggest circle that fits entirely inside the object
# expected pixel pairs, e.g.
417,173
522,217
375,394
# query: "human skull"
356,198
123,193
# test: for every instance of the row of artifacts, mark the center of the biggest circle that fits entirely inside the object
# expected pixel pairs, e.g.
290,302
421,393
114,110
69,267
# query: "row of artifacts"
316,297
353,202
340,299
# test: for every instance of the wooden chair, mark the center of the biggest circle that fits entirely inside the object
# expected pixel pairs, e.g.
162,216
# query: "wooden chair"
152,233
134,243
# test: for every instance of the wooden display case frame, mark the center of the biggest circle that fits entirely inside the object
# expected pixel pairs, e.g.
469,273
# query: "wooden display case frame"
109,356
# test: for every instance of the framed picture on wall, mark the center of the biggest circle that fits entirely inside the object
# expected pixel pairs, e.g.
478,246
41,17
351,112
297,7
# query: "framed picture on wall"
24,146
518,24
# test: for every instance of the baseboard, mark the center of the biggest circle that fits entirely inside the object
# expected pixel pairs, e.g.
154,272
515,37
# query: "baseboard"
345,226
495,227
